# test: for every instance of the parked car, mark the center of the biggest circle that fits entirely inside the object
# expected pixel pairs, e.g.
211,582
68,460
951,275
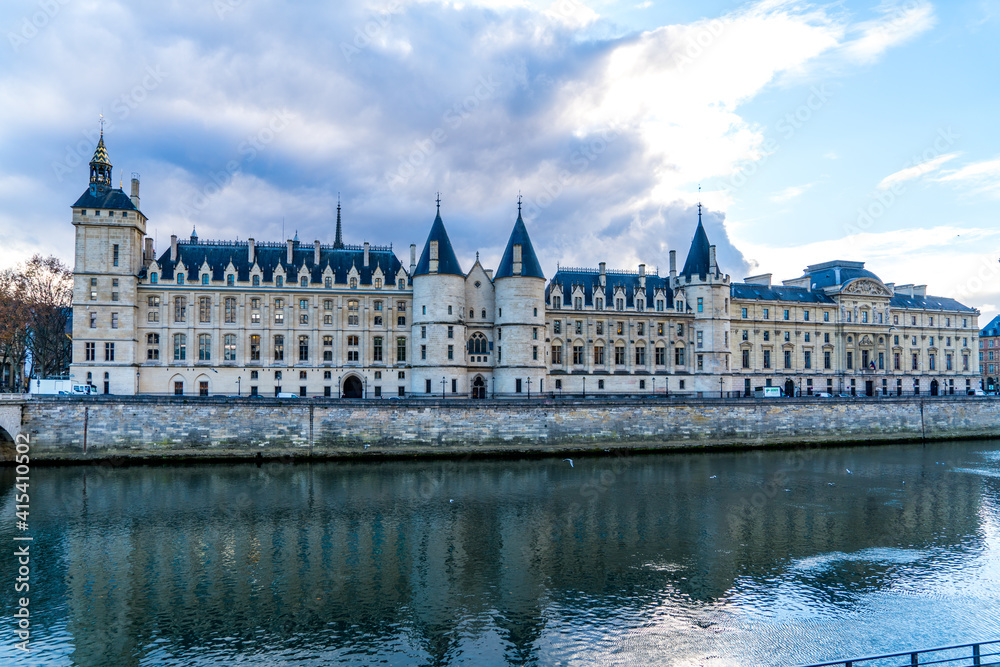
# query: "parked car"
822,394
287,394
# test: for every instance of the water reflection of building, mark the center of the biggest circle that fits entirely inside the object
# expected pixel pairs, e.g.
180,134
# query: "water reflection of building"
323,557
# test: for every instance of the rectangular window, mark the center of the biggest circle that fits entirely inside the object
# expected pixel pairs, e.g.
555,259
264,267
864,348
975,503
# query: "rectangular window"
423,352
807,359
679,356
279,348
788,358
785,313
765,313
578,355
180,347
109,352
557,355
451,331
701,304
451,352
619,355
255,347
826,360
850,360
304,348
204,347
743,313
767,358
230,310
805,315
180,309
93,320
400,349
229,342
205,309
114,255
915,363
557,327
640,355
746,358
89,353
377,348
826,315
699,337
598,355
660,356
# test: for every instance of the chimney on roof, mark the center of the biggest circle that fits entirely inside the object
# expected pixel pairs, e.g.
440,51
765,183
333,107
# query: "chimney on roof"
642,277
366,253
289,252
489,274
173,247
147,253
601,272
135,190
413,258
673,263
316,252
251,250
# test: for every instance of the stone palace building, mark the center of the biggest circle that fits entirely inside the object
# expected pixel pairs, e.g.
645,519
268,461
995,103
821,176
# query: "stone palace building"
265,318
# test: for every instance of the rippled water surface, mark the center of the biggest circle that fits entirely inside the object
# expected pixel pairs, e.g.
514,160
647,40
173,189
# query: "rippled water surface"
755,558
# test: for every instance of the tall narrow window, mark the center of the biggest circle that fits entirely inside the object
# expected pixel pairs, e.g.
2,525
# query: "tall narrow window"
204,347
279,348
230,347
114,255
230,310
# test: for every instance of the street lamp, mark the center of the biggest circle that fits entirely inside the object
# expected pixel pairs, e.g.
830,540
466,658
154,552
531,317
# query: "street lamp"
585,387
442,388
494,386
238,391
529,388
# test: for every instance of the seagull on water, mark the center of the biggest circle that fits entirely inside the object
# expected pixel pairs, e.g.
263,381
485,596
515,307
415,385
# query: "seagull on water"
570,462
848,471
713,476
367,446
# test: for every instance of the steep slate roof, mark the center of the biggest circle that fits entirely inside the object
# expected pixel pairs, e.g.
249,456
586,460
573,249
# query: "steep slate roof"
529,260
447,262
837,272
765,293
991,329
269,256
697,263
589,279
114,198
802,295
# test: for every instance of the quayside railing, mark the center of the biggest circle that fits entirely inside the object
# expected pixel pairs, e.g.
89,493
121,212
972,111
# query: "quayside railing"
979,654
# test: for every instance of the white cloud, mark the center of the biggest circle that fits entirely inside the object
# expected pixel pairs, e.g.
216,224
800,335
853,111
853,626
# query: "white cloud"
790,193
916,171
899,23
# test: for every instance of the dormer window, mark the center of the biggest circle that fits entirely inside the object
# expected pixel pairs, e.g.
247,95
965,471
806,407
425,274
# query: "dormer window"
279,281
180,278
600,304
153,277
204,279
402,283
303,281
328,282
354,283
256,281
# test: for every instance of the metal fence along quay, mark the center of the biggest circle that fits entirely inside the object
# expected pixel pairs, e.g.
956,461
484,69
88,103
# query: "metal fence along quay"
980,654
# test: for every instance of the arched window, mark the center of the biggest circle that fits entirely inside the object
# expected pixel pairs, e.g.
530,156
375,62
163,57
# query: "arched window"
478,344
484,313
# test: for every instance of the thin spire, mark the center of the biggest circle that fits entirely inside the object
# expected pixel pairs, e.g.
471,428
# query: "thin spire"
338,241
699,203
439,203
519,203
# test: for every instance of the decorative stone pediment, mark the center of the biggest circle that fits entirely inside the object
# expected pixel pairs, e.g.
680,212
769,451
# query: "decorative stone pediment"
867,287
865,341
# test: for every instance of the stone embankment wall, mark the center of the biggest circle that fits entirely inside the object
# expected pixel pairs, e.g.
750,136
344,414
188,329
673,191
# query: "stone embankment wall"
85,428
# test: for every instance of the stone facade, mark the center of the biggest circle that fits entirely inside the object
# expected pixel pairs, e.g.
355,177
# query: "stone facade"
329,320
170,427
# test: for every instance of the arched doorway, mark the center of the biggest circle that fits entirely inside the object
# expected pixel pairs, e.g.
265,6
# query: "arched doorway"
789,388
353,387
934,387
479,387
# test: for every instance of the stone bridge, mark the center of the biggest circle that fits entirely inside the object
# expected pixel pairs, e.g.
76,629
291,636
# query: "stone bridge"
11,414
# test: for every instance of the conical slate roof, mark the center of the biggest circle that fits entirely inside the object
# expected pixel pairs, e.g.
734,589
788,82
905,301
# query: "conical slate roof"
101,153
529,261
698,260
447,262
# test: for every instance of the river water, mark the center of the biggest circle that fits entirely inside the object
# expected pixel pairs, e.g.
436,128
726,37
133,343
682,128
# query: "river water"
778,557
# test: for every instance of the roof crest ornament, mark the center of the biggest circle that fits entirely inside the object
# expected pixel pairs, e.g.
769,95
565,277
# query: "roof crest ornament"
439,203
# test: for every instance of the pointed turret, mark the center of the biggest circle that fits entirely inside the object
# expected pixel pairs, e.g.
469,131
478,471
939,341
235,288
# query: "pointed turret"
100,166
438,255
519,258
338,241
699,261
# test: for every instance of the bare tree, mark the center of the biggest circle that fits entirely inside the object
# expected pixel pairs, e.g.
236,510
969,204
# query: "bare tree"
48,292
15,319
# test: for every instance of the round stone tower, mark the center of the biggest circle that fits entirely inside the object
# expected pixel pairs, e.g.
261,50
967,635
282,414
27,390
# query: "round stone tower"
519,333
438,325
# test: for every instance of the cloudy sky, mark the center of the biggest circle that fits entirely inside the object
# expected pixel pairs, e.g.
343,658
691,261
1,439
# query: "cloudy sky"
855,129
